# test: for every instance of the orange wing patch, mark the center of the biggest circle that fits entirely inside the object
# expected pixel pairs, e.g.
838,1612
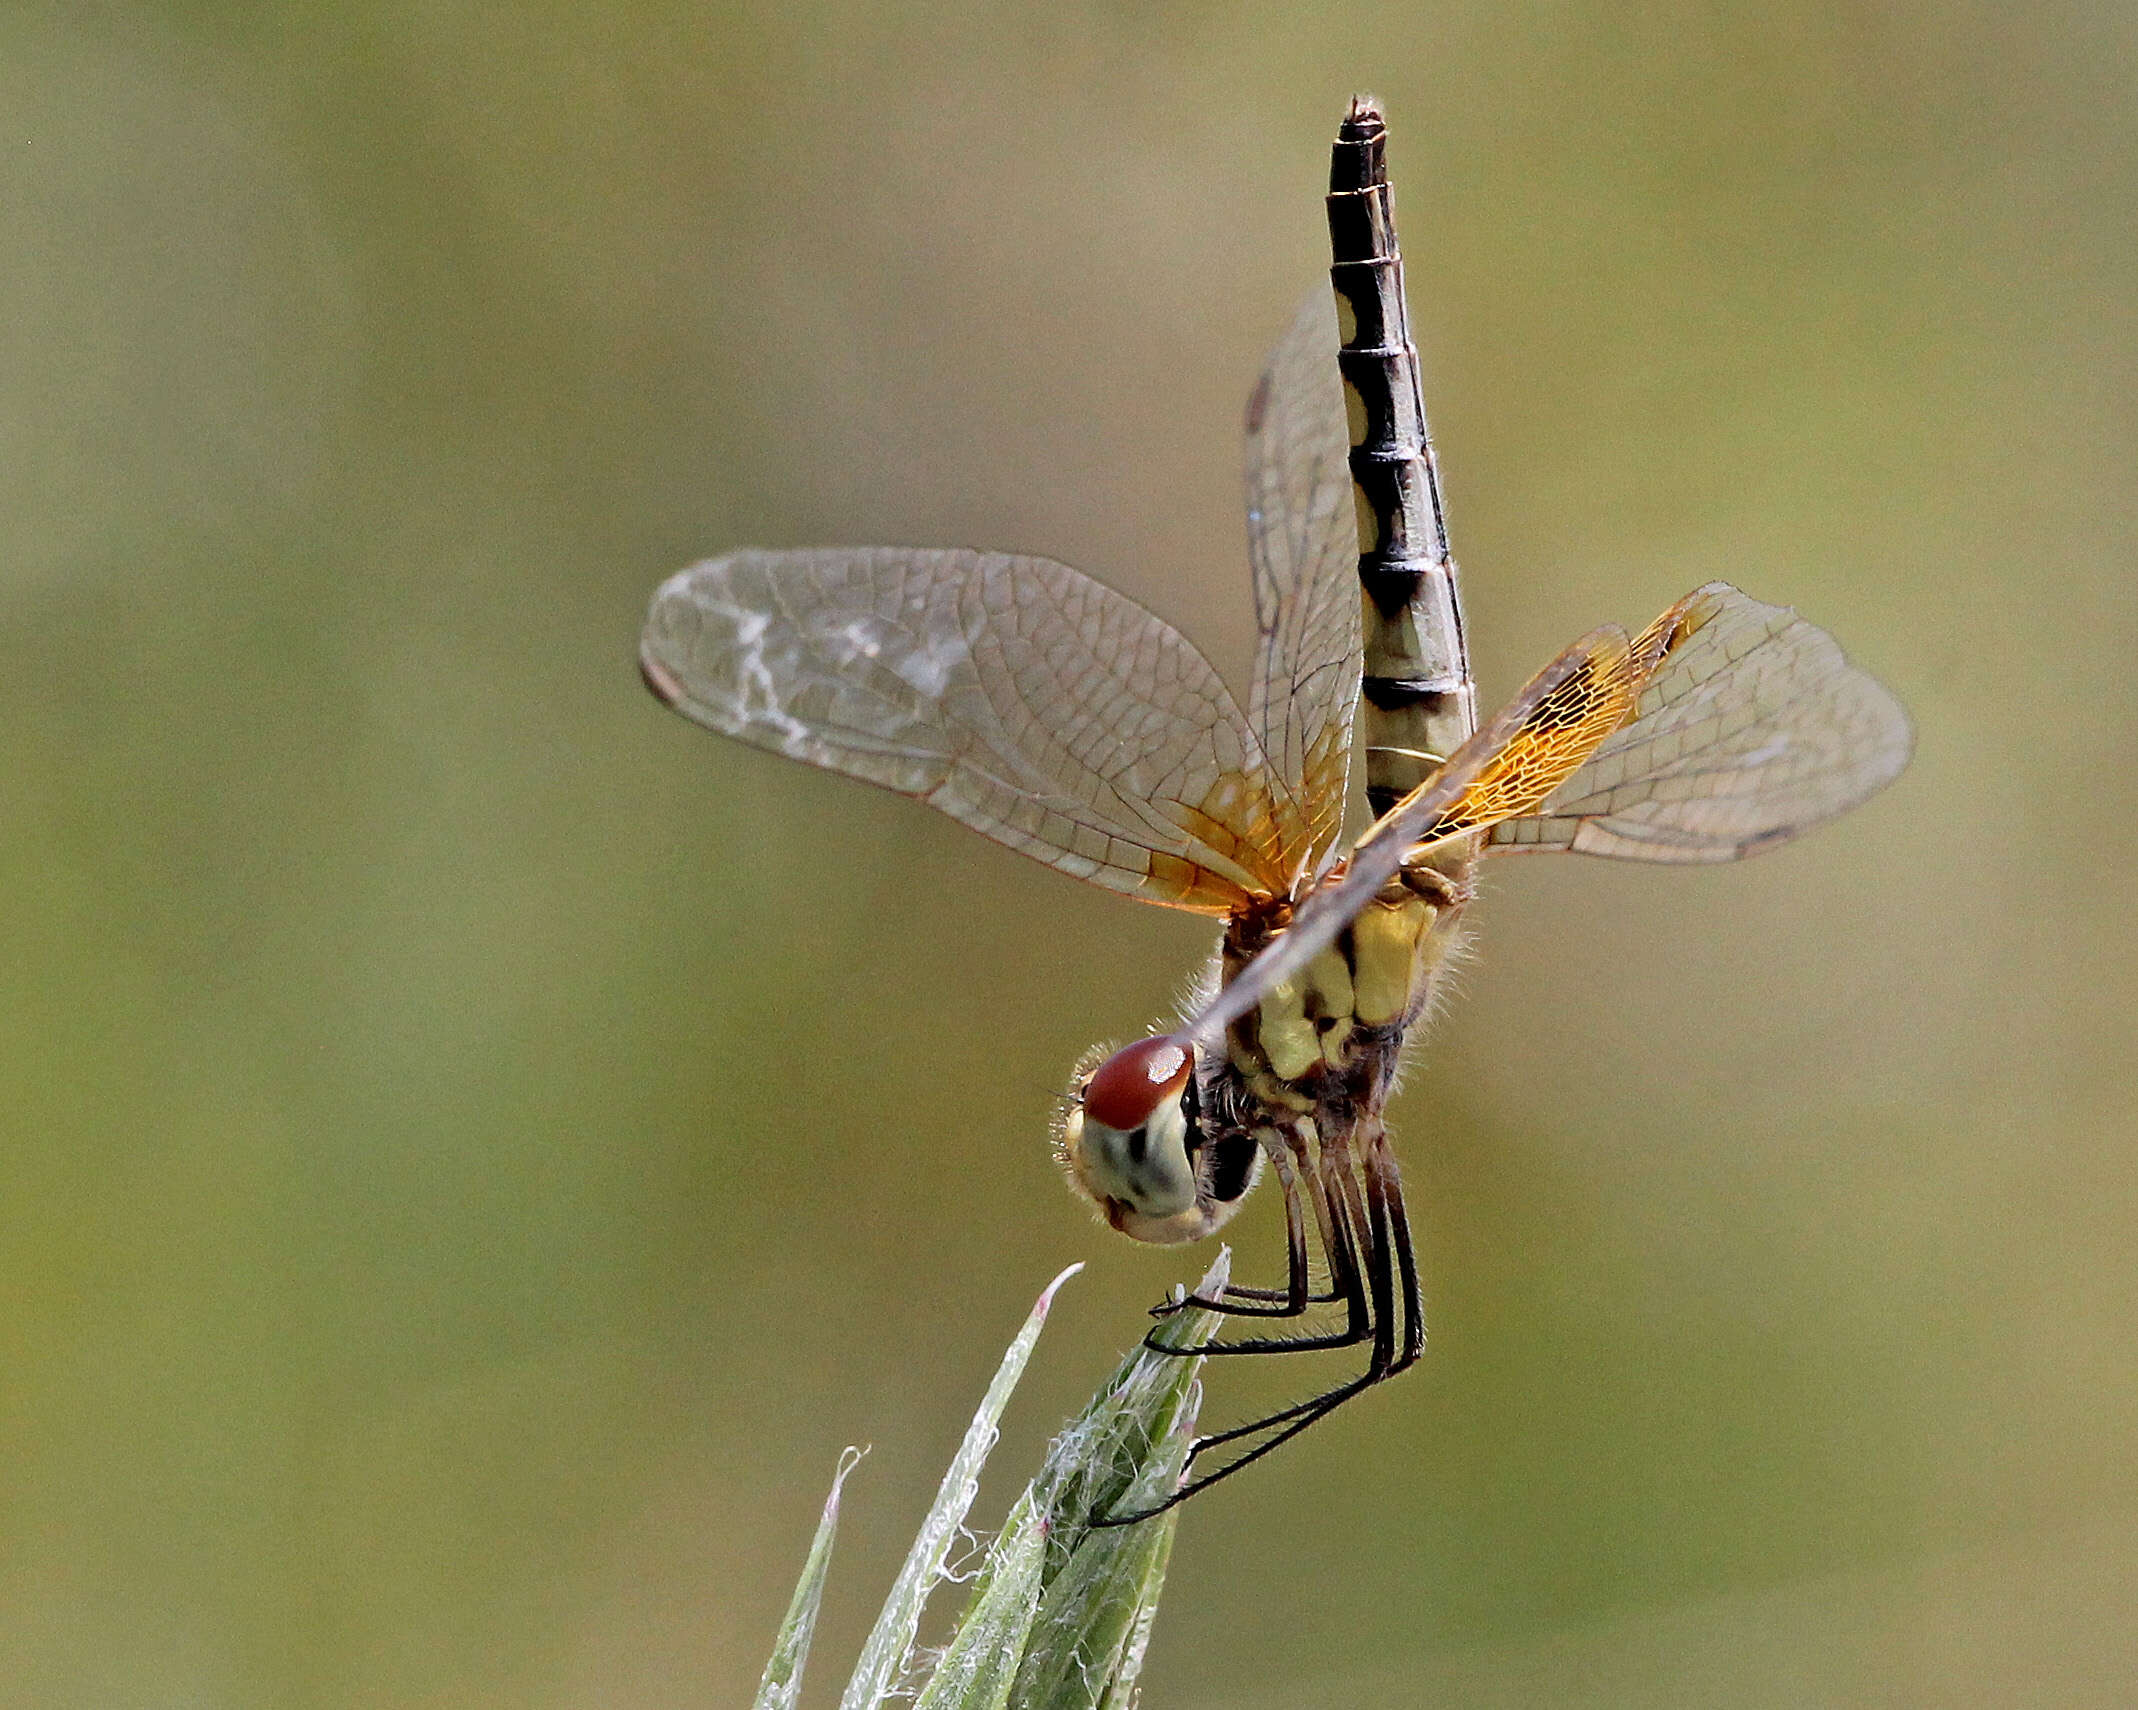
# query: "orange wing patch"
1560,732
1237,822
1176,883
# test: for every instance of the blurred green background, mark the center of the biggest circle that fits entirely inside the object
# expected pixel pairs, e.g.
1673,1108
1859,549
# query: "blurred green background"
476,1146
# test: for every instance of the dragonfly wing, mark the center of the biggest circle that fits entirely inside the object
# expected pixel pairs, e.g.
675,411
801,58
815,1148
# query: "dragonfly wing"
1751,727
1302,539
1513,762
1017,695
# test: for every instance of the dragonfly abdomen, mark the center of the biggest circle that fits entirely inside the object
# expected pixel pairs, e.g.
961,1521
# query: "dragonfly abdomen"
1417,703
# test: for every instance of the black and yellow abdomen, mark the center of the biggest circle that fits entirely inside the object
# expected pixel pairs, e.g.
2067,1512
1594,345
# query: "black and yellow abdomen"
1417,703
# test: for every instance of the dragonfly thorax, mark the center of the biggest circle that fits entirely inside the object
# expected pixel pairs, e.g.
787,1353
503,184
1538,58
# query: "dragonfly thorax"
1133,1142
1329,1034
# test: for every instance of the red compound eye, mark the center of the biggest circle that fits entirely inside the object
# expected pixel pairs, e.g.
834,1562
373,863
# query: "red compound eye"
1132,1083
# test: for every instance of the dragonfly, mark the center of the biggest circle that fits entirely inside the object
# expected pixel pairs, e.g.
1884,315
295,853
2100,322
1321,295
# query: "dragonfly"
1034,704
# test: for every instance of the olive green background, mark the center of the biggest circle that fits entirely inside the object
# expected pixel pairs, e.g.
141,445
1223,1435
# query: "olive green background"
476,1147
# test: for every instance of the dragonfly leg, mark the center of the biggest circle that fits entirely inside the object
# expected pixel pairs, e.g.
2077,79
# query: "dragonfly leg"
1294,1419
1385,1179
1369,1210
1295,1294
1298,1294
1336,1220
1388,1275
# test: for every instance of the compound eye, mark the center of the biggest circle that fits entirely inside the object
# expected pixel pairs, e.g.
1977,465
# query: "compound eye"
1125,1089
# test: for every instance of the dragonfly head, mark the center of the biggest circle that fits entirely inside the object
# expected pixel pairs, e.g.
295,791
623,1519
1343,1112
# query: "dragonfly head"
1132,1142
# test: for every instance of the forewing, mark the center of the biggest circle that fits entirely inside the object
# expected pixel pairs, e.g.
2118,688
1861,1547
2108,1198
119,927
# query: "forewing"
1517,757
1751,727
1017,695
1302,539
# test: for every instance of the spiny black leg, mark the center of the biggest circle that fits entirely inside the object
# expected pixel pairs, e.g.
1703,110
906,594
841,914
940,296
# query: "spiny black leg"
1298,1293
1291,1300
1382,1289
1349,1211
1319,1342
1379,1275
1300,1416
1388,1240
1285,1294
1390,1180
1335,1239
1336,1221
1296,1285
1371,1295
1350,1336
1319,1402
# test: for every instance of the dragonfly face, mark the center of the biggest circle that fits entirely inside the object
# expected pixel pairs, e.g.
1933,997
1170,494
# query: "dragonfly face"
1133,1143
1049,713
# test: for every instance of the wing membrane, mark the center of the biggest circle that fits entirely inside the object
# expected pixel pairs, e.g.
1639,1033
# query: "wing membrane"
1750,728
1014,694
1302,538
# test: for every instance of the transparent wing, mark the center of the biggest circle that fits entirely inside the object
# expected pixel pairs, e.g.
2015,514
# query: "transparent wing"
1302,538
1751,727
1517,759
1014,694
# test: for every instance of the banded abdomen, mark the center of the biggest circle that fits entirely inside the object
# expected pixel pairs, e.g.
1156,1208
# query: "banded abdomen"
1417,704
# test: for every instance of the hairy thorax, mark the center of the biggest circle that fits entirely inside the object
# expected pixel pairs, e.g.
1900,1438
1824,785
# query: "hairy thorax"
1327,1042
